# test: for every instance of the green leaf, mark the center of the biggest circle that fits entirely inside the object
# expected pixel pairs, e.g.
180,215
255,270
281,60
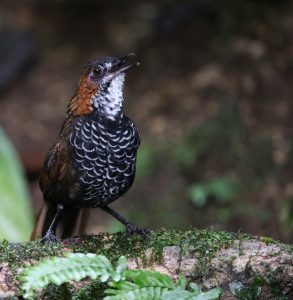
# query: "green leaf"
137,293
182,282
140,285
243,293
198,194
213,294
194,288
121,264
177,294
224,188
144,284
236,287
73,267
15,214
150,278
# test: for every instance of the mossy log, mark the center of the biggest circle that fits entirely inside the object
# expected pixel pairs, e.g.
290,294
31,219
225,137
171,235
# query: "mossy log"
210,258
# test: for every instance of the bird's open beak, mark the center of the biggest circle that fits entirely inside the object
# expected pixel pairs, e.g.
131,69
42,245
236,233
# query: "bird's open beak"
121,67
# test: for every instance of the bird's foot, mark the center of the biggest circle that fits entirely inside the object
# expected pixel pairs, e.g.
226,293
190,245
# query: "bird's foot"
50,238
133,229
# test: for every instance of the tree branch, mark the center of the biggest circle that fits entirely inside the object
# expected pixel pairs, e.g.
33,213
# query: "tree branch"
207,257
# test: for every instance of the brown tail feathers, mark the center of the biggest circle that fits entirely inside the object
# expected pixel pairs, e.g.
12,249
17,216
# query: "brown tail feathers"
72,221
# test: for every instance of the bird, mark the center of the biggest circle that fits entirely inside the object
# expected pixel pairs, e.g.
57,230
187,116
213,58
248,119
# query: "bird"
93,160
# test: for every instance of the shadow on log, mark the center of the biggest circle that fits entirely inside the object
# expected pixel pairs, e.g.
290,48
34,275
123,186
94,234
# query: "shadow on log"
209,258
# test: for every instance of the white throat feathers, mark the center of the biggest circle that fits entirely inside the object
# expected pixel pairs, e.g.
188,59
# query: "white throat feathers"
110,101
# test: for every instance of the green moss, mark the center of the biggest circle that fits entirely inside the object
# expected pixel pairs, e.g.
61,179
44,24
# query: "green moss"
112,246
15,254
267,240
203,242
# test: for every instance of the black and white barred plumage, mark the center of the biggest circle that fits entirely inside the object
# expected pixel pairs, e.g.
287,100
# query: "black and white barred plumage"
104,157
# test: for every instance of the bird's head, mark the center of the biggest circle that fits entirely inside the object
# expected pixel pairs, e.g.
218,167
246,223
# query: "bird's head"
101,86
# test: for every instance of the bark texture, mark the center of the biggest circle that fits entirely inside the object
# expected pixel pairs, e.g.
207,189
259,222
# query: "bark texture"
206,257
243,261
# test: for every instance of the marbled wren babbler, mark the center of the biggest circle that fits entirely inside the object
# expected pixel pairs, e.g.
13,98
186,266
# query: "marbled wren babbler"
92,162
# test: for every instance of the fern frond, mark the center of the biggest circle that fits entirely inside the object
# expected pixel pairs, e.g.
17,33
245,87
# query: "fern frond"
213,294
124,284
137,293
150,278
72,267
140,285
146,285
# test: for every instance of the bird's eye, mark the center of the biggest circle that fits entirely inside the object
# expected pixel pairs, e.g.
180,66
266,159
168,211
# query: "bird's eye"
97,71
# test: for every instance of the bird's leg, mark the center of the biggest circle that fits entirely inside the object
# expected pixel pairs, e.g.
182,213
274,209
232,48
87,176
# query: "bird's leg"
130,227
50,236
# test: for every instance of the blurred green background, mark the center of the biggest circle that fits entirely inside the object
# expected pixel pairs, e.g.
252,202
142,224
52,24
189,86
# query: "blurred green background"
212,99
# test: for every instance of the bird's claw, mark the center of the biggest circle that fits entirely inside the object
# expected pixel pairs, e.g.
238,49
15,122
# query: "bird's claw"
133,229
50,238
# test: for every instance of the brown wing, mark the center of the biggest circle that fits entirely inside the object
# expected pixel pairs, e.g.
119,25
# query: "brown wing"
55,169
56,179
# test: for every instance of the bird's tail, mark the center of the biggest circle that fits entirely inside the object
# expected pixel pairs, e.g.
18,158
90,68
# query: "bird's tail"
72,221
